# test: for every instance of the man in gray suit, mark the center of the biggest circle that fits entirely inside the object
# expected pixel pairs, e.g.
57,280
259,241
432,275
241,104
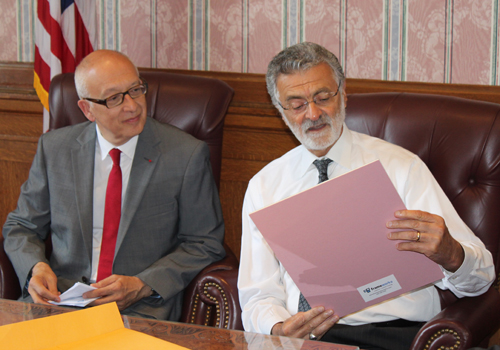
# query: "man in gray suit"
171,222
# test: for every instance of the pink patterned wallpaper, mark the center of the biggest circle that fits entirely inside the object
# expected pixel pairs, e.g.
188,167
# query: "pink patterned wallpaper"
451,41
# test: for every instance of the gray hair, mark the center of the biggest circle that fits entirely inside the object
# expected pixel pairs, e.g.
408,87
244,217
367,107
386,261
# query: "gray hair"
87,63
299,58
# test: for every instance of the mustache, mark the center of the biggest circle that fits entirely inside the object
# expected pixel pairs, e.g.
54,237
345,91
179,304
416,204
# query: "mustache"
323,119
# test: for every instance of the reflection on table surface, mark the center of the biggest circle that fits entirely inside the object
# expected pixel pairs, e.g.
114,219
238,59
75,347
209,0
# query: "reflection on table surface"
187,335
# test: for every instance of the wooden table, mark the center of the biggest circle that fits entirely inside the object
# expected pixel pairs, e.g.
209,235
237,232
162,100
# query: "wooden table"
187,335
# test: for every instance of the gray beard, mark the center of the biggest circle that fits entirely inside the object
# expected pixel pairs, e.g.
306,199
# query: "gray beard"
319,142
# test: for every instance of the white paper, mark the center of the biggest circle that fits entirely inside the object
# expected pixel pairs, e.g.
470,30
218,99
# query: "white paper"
73,296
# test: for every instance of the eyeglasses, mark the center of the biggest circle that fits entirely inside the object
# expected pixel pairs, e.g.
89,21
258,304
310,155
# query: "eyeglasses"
117,99
299,105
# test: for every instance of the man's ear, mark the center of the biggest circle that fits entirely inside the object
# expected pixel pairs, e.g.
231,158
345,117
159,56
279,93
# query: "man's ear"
85,107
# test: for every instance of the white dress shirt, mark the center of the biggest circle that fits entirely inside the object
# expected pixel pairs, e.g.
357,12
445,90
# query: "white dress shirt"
267,293
102,167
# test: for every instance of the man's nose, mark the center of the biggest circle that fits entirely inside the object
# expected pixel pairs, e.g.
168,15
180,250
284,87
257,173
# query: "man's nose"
313,112
129,102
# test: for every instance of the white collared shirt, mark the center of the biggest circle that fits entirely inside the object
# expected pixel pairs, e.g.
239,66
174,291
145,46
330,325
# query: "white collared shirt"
102,167
268,294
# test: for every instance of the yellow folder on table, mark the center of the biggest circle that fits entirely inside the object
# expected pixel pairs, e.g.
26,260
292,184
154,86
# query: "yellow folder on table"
99,327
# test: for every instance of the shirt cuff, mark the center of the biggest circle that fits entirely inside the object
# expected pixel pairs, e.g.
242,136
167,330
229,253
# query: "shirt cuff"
464,271
27,284
276,315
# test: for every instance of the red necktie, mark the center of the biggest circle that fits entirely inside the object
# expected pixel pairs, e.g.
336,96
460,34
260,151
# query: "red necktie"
112,214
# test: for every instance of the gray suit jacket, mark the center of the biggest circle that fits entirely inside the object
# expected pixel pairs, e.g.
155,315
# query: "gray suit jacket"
171,225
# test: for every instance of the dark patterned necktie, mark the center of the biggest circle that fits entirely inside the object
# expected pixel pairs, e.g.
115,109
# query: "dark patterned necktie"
322,166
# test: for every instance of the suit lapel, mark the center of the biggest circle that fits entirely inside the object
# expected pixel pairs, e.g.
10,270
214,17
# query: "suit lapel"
82,160
145,160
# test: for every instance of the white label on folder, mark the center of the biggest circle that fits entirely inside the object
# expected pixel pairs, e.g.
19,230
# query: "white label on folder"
379,288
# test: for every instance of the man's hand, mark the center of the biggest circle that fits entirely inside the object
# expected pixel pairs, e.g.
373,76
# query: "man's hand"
316,321
43,284
434,240
125,290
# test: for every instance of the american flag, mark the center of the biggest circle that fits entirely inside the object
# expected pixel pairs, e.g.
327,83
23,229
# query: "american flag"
65,33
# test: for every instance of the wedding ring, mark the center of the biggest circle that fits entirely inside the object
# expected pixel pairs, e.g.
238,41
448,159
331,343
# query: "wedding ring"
418,236
312,336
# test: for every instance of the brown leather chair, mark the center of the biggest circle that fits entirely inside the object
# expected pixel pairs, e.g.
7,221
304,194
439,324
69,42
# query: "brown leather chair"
198,106
459,140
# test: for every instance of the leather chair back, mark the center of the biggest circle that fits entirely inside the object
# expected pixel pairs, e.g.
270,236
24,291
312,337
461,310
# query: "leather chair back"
196,105
458,139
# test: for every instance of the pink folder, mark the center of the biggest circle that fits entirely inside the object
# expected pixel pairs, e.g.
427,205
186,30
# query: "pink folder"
332,240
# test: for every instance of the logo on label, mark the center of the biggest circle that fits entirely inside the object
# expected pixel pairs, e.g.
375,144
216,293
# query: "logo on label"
379,288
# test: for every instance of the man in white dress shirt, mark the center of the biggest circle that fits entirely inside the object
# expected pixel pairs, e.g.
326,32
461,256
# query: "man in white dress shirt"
307,86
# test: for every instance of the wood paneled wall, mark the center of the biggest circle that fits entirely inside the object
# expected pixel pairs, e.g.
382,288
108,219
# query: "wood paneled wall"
20,128
254,134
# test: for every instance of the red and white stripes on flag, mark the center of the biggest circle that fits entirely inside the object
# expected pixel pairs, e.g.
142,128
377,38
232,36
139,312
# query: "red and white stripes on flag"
65,33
